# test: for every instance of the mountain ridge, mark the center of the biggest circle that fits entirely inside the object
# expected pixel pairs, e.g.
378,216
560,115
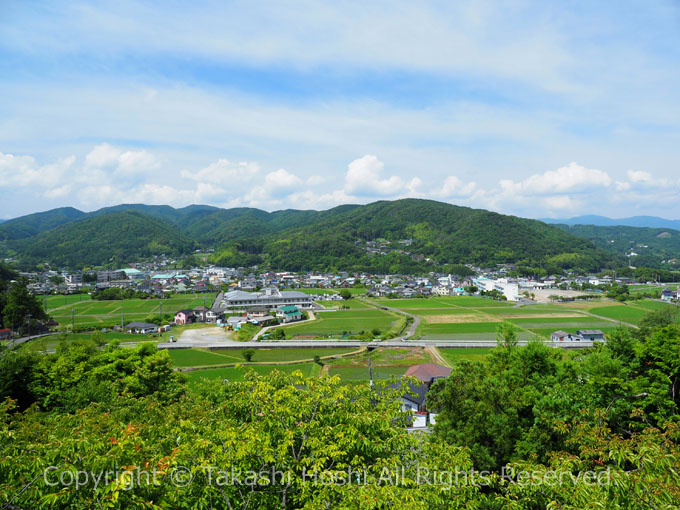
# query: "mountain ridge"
604,221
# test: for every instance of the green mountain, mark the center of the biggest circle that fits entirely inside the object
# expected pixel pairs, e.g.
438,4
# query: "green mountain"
445,233
413,235
33,224
115,237
653,247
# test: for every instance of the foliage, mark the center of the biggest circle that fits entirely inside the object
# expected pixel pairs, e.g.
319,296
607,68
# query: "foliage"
248,354
311,430
21,307
345,294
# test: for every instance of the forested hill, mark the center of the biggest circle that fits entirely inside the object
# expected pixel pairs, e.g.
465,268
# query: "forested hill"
653,247
409,235
113,238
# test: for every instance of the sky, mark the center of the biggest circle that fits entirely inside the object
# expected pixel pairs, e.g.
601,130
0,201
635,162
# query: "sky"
536,109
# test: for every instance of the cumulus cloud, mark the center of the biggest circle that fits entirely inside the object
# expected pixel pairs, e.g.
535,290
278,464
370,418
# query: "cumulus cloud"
107,157
363,178
454,187
223,172
572,178
276,185
24,171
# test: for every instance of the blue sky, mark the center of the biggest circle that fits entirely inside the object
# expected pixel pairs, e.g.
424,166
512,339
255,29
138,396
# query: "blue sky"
530,108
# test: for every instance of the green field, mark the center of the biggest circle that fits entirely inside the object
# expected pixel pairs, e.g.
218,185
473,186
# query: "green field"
351,321
453,355
315,292
202,357
624,313
237,373
111,312
56,301
350,303
362,374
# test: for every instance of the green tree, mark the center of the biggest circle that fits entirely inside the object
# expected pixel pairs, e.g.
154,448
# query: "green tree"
20,306
345,294
248,354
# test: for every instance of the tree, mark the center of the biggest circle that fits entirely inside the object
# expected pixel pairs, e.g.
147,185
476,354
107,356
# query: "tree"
21,306
248,354
345,294
506,334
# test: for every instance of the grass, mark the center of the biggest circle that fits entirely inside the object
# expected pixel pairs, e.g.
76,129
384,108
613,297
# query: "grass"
623,313
352,321
203,357
362,373
350,303
453,355
109,312
57,301
314,292
238,373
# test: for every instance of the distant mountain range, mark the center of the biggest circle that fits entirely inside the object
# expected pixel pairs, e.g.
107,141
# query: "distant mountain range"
341,238
603,221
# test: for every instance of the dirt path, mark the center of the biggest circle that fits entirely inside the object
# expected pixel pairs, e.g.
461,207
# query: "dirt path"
437,357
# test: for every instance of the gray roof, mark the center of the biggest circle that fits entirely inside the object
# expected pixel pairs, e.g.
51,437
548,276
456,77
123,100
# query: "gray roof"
141,325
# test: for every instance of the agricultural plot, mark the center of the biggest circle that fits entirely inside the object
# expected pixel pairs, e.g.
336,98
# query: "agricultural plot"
358,373
316,292
352,304
238,373
202,357
96,313
350,321
623,313
58,301
386,363
454,355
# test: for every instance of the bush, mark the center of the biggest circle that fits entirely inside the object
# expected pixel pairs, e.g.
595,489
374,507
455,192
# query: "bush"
248,354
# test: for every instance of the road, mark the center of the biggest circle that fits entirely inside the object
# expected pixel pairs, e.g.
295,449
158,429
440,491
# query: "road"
216,338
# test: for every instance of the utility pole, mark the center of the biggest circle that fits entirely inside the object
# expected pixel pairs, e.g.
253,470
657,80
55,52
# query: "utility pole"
370,371
73,319
122,314
161,314
29,325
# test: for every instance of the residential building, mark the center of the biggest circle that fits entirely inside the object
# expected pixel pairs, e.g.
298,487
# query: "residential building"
288,313
185,317
141,327
594,335
563,336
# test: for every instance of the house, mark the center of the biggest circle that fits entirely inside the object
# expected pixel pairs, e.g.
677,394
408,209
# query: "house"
201,312
185,317
213,315
235,322
594,335
563,336
667,295
262,320
428,373
288,313
5,334
141,328
414,398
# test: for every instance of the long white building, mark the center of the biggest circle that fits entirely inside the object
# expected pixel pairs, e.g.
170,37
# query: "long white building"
270,298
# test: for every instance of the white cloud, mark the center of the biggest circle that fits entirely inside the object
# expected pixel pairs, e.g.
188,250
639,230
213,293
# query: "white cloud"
363,179
225,173
315,180
454,187
277,185
23,171
572,178
639,176
108,158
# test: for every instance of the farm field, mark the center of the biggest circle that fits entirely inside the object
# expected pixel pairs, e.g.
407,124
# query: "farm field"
453,355
53,341
202,357
350,303
238,373
314,292
358,373
65,300
110,312
350,321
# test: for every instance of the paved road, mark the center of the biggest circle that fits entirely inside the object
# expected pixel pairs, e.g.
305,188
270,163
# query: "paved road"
226,343
18,341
